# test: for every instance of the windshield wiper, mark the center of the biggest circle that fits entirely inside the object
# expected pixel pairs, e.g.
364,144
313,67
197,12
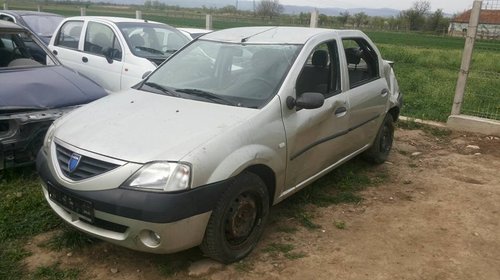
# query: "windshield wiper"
207,95
161,88
151,50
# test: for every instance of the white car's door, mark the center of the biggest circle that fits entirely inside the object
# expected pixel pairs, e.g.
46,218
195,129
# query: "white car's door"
102,57
315,137
64,45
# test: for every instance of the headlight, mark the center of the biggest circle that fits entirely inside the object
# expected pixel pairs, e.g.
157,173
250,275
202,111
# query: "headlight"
49,137
161,177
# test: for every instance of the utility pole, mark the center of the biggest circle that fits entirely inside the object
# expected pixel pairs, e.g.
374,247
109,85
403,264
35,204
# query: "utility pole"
466,58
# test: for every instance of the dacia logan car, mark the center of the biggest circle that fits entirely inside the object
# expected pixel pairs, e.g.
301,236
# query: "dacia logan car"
233,123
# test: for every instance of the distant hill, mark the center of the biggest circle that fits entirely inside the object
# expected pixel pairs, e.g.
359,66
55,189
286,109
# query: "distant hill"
249,5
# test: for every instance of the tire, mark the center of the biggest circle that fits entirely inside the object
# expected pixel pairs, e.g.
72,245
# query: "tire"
382,145
238,220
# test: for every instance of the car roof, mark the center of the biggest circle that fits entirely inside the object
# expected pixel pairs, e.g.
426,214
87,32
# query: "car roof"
112,19
10,26
273,34
25,13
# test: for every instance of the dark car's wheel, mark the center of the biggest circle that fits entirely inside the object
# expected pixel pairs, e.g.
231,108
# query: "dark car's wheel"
382,145
238,220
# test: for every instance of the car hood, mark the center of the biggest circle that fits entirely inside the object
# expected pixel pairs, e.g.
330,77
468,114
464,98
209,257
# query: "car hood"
41,88
138,126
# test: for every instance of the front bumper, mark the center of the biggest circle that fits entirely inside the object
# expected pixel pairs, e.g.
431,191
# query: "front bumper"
128,217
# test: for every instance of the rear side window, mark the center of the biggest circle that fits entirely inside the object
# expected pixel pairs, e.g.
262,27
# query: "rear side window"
101,40
69,35
362,61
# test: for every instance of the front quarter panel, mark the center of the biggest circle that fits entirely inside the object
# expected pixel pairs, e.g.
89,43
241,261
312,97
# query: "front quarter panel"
260,140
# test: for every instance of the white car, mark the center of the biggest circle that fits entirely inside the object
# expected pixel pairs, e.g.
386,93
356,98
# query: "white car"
193,33
236,121
114,52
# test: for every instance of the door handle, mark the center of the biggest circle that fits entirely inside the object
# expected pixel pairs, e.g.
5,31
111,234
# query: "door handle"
384,92
341,111
85,59
54,52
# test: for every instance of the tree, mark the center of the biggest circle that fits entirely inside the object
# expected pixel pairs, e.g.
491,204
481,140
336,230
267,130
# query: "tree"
344,18
415,16
360,19
269,8
436,22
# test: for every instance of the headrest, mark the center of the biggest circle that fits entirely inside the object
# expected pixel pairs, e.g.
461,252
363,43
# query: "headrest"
320,58
353,55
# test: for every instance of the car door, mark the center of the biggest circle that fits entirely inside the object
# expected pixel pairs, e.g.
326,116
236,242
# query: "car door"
102,56
315,137
368,91
66,43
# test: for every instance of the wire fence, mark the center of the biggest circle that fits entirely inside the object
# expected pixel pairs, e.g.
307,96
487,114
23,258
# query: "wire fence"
482,95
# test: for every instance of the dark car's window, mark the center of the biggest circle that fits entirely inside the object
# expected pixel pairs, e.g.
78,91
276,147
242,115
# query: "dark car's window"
101,40
362,61
69,34
242,74
7,18
43,25
321,71
14,52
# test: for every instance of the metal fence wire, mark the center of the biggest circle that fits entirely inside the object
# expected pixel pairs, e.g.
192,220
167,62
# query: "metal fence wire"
482,95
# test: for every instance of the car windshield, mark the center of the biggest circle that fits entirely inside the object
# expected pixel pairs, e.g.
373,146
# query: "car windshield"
43,25
242,74
152,41
22,50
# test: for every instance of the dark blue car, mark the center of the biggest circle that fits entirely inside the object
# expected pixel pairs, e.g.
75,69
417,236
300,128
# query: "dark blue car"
34,91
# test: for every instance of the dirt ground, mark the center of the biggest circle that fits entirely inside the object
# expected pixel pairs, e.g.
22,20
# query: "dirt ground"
437,216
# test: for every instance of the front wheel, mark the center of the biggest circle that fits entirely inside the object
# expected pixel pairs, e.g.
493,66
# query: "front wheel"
238,220
382,145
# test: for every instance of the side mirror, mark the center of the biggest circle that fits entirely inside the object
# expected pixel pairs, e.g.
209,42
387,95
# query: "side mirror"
307,100
111,54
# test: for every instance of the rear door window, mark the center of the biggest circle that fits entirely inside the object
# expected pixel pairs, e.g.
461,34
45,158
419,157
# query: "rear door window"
362,61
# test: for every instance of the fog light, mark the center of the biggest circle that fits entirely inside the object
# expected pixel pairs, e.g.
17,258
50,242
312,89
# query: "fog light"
150,238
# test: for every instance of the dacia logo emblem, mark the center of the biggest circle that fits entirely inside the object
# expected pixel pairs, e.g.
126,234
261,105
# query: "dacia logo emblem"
73,162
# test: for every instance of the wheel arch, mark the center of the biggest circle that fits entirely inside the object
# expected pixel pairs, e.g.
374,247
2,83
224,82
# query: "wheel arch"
268,177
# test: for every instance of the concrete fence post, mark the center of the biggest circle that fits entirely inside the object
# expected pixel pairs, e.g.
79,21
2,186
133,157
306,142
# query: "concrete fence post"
208,22
466,58
5,6
138,14
39,8
83,12
314,19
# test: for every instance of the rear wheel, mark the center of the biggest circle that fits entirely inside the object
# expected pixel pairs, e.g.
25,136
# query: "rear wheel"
238,220
382,145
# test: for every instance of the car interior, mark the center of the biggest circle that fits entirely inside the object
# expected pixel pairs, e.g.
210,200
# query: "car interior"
13,52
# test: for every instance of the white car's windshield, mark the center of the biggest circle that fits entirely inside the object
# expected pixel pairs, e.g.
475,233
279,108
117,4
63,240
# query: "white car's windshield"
152,41
234,74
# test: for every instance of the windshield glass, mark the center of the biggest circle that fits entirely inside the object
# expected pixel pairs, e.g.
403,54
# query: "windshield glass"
43,25
152,41
233,74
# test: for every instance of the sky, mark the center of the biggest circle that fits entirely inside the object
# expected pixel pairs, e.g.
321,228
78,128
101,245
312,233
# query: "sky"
448,6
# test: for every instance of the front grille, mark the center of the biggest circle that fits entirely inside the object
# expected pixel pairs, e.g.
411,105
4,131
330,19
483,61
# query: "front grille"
107,225
87,168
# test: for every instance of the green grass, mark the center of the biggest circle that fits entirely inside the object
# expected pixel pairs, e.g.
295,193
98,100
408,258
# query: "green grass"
69,238
55,272
340,224
285,249
23,214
